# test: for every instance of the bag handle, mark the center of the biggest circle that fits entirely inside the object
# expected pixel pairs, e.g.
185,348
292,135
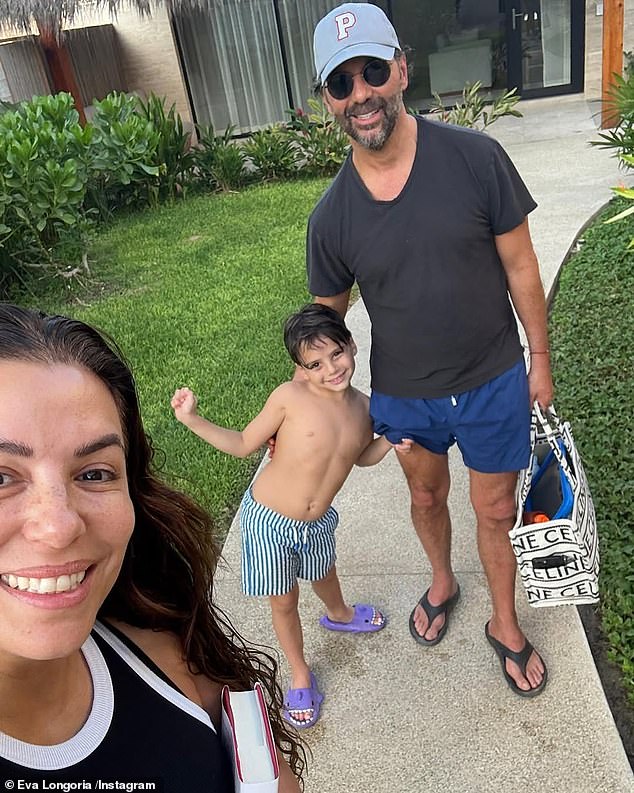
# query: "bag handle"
554,434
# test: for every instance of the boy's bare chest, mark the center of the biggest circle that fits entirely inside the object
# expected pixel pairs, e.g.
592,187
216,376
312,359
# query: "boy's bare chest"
329,429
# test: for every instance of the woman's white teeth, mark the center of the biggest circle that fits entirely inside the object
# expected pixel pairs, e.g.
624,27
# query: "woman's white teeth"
45,586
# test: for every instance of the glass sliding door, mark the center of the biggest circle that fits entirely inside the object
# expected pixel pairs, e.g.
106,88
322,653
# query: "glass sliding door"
545,46
232,56
452,42
247,62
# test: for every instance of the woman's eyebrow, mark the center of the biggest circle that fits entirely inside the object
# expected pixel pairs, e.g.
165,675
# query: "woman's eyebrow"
112,439
15,448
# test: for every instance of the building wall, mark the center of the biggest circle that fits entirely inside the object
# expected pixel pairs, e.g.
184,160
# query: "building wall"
148,53
594,33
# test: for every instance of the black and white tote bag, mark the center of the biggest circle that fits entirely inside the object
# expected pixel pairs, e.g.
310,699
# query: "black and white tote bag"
555,533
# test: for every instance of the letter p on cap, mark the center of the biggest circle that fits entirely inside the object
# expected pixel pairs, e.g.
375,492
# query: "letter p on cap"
343,22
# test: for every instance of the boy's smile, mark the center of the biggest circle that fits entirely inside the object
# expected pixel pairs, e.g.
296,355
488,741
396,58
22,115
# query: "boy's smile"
329,365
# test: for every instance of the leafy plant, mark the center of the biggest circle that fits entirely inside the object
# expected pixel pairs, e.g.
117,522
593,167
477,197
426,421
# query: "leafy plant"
624,192
621,102
319,138
123,156
173,155
43,176
475,111
272,153
219,162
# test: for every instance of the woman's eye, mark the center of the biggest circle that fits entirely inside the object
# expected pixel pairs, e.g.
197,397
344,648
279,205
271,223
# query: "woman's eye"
97,475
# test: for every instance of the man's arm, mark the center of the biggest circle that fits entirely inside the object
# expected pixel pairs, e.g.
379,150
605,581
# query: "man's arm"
338,302
238,444
515,250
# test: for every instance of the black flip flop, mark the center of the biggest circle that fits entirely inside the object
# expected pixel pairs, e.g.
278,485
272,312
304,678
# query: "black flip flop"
521,659
432,612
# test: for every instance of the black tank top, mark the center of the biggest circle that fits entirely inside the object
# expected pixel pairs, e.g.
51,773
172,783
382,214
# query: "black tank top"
141,729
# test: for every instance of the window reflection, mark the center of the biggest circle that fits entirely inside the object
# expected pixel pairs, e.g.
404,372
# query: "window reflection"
452,42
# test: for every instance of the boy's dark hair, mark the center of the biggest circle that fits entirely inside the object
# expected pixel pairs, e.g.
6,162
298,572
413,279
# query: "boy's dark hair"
310,324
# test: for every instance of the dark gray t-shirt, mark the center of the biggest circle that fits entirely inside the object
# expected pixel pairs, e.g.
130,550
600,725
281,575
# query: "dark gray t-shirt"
426,262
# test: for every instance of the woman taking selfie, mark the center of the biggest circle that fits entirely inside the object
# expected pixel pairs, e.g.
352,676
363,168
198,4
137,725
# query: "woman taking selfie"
112,654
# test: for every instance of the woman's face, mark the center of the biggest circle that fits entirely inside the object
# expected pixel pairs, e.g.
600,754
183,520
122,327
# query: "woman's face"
65,511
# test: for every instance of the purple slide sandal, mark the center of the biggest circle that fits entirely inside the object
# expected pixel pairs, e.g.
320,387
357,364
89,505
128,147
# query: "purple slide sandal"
303,699
364,620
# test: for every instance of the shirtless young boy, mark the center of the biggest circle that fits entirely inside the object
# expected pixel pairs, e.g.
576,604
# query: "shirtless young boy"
323,428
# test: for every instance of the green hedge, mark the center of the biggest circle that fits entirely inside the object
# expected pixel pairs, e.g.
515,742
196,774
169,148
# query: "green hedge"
592,342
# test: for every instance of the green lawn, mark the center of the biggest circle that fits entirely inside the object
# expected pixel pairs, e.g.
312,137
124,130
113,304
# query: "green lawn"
592,343
196,294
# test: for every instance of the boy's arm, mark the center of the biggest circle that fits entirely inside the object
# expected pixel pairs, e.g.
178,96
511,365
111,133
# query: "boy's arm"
376,450
238,444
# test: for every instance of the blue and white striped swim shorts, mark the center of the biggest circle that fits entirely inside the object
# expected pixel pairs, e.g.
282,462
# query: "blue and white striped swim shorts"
277,550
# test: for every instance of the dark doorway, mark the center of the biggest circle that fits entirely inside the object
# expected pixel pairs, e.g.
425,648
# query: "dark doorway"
545,46
536,46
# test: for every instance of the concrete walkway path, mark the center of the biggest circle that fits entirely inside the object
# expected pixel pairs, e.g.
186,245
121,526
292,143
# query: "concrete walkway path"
399,718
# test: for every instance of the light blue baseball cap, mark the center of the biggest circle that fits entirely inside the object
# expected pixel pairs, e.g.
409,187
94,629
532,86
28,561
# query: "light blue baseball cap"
352,30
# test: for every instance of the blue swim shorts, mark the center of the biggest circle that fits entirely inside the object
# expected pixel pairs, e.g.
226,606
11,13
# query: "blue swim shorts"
490,423
277,550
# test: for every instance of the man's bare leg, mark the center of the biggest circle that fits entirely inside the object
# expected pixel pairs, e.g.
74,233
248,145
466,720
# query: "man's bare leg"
493,499
428,480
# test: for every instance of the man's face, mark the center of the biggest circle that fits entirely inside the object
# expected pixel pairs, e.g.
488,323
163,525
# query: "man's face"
369,114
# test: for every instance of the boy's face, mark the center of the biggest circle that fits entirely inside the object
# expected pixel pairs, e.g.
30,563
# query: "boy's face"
328,365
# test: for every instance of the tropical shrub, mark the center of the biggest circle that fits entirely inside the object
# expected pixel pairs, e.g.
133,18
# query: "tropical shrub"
44,170
173,156
272,153
319,138
219,162
621,138
624,192
475,110
621,102
123,156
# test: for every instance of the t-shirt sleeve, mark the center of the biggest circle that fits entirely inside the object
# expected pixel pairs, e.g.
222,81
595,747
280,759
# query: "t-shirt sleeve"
327,273
509,199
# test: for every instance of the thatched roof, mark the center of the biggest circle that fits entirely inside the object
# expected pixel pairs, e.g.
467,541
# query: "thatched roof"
21,14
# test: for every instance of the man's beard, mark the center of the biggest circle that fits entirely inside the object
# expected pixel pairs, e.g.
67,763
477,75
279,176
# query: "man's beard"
373,139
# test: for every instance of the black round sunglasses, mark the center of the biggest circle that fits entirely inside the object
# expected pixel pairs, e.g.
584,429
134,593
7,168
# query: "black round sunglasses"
375,73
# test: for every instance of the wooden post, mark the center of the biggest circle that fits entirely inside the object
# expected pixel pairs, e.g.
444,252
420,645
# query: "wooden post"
612,58
61,68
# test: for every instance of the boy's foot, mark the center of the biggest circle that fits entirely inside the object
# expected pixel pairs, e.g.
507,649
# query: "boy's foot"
301,705
366,619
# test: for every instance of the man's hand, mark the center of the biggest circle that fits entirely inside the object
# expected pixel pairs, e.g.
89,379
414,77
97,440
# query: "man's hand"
540,382
184,403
